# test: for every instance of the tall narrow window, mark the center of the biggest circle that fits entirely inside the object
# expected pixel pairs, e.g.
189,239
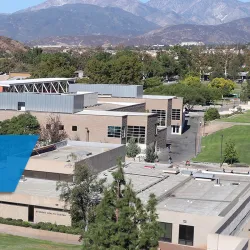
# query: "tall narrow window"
186,235
138,133
176,114
166,232
161,116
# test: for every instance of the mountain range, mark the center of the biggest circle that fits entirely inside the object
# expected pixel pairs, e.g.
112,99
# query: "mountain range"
130,21
210,12
235,32
73,20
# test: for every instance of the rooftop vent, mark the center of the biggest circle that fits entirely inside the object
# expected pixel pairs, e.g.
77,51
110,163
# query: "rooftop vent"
186,172
235,184
203,176
23,179
217,182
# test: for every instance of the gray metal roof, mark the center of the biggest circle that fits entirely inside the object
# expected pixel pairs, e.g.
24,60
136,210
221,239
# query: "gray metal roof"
115,90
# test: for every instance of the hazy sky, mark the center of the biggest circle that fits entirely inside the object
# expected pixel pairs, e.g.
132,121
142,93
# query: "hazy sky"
8,6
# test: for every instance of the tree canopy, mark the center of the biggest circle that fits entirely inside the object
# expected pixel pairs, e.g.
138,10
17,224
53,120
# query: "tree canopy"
81,195
230,154
224,85
132,148
24,124
122,221
192,95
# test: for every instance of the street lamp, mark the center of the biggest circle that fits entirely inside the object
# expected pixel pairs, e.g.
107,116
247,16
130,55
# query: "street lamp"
221,149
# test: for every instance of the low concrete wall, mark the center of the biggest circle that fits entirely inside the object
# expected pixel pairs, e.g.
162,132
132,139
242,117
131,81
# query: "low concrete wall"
169,246
40,234
225,242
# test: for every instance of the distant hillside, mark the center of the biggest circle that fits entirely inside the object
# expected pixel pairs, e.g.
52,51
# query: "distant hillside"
10,46
73,20
91,40
234,32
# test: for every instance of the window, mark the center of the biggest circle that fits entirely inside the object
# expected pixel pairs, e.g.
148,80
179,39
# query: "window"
166,232
138,133
74,128
186,235
48,126
161,116
176,129
61,127
21,106
114,132
176,114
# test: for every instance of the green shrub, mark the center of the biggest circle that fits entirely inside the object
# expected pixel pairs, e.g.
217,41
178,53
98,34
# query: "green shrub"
41,225
211,114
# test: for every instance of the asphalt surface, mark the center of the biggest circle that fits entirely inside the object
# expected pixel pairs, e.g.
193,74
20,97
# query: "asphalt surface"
185,146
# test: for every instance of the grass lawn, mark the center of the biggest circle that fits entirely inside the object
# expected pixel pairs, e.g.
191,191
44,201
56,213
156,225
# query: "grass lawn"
9,242
241,118
211,145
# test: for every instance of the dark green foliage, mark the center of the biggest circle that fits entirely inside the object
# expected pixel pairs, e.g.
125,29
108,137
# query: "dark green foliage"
123,68
122,221
245,93
132,148
151,156
152,82
230,154
192,95
212,114
82,195
24,124
54,65
42,226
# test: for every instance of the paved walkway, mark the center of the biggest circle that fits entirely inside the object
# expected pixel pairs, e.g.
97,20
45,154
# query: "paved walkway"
183,147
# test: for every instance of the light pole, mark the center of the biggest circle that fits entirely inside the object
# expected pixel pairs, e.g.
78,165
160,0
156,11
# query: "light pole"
221,150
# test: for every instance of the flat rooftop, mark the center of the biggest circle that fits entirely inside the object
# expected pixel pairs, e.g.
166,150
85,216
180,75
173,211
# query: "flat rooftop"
81,150
106,106
174,192
203,197
160,97
8,83
38,187
113,113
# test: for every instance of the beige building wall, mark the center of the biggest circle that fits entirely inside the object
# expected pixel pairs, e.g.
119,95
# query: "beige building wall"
203,225
19,74
14,211
97,125
157,104
46,209
52,216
